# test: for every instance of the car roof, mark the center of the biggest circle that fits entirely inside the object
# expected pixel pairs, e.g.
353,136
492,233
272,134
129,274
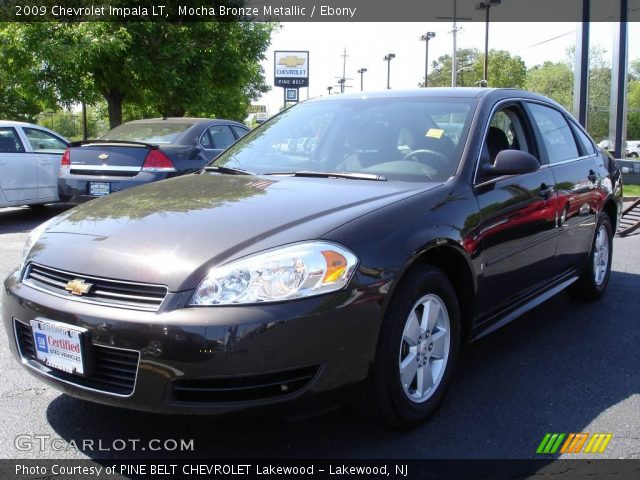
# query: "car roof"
13,123
190,120
460,92
437,92
489,95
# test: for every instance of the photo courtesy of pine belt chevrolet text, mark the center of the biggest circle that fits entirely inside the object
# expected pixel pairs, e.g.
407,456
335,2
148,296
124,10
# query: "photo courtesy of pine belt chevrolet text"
349,246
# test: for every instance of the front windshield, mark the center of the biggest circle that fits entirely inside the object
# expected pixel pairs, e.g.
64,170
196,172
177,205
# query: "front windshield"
414,139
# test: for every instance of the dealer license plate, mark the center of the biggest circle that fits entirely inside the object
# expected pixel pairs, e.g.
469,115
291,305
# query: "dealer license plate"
99,189
59,345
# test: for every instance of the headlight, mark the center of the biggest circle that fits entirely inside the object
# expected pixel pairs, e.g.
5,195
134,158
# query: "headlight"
294,271
33,237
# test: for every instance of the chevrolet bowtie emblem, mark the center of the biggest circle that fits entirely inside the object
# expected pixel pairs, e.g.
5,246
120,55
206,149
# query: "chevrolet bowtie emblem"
291,61
78,287
103,156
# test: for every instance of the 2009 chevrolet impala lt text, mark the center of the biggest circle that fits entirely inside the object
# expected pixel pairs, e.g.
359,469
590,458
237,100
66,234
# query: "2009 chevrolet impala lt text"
350,243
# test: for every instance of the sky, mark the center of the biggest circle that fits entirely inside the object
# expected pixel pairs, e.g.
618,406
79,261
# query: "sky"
368,43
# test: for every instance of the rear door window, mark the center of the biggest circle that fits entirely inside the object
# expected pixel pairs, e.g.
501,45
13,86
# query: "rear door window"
217,137
44,142
584,141
239,131
556,133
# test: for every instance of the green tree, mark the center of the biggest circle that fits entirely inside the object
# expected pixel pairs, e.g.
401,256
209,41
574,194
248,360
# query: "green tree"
440,70
553,80
210,69
505,70
69,123
21,95
634,69
633,118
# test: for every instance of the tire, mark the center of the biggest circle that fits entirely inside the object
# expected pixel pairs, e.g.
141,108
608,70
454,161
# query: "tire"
594,278
398,399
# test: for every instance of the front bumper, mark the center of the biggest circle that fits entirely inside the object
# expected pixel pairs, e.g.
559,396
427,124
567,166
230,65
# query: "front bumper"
210,359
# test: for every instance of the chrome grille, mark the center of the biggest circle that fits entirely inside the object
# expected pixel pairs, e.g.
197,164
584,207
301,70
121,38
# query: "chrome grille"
115,369
103,291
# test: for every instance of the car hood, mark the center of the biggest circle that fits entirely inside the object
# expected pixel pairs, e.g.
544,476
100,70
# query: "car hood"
172,232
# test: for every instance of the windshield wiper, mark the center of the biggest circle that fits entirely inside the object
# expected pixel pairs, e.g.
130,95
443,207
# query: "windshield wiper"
229,170
348,175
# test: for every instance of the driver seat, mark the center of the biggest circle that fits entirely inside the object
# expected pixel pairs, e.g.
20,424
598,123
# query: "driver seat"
369,144
496,142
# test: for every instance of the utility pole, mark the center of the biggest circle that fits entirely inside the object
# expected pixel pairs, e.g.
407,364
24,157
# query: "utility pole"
454,60
344,64
84,121
343,79
454,57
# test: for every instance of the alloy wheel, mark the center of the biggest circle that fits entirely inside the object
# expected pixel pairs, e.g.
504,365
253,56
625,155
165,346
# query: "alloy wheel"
601,255
424,348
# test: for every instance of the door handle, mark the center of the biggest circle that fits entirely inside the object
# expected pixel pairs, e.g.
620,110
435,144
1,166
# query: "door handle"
545,191
593,176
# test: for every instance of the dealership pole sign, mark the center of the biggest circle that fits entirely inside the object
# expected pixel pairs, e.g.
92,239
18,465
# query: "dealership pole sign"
291,72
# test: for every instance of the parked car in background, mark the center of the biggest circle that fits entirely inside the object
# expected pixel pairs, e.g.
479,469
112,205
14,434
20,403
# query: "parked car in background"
142,151
30,158
632,148
362,261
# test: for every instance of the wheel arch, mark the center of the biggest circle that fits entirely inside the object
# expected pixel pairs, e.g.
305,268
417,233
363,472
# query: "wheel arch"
457,266
611,209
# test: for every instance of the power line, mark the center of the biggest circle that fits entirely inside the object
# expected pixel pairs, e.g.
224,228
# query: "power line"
548,40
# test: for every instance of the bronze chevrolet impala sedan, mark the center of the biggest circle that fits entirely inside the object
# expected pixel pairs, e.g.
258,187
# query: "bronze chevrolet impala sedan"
350,244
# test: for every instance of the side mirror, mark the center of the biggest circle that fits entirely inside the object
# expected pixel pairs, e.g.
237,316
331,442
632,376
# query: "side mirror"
512,162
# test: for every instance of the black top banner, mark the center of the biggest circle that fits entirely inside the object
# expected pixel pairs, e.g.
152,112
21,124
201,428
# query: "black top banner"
318,10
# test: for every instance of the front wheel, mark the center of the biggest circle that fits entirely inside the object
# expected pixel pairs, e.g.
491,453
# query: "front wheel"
594,278
417,350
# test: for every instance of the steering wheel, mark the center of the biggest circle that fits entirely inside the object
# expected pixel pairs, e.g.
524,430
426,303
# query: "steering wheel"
439,158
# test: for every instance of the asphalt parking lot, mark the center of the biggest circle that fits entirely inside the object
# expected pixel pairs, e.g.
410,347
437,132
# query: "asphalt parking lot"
564,367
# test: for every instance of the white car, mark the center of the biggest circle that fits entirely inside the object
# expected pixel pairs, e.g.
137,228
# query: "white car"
633,146
632,149
29,163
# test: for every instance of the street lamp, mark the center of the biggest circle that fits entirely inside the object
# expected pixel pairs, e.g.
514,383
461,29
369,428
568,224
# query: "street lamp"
462,69
486,6
361,72
387,58
329,90
426,37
